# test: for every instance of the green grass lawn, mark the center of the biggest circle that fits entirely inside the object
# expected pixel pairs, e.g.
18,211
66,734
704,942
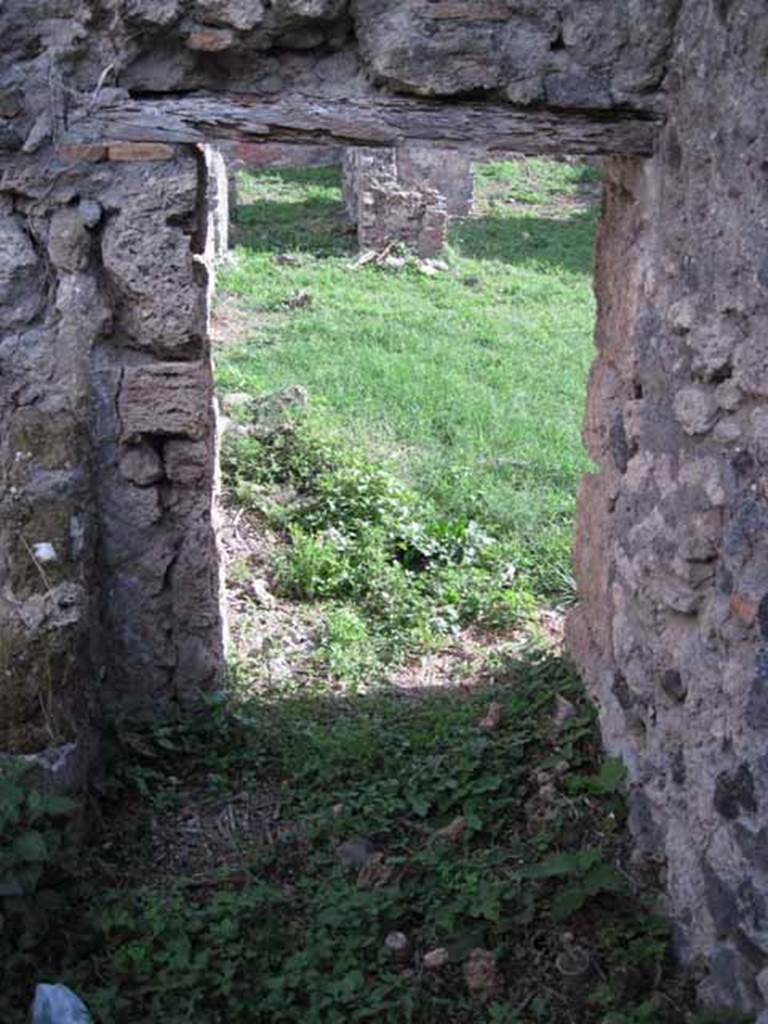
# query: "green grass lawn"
469,384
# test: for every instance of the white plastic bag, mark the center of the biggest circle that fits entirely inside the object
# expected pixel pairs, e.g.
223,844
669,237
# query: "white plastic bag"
56,1004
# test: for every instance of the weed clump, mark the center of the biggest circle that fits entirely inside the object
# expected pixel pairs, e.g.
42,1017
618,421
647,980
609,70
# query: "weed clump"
39,849
397,577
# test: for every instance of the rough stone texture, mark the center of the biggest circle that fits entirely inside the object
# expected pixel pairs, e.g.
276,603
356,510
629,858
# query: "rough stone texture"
109,592
147,258
384,209
152,414
594,54
46,526
416,217
108,570
18,264
361,167
672,543
447,171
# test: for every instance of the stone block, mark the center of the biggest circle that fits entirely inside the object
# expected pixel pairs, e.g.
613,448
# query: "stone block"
417,218
165,400
21,287
695,410
447,171
238,14
141,465
156,284
187,462
69,241
152,13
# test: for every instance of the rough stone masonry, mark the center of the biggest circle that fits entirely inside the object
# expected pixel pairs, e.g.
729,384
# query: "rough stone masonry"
406,194
108,568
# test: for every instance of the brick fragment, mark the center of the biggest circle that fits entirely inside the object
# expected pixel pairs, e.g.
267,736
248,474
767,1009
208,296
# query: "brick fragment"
87,152
137,151
211,40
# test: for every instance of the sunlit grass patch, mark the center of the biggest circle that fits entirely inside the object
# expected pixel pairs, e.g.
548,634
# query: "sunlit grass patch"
471,383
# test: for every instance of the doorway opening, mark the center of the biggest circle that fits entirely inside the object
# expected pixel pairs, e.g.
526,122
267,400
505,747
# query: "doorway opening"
405,430
403,802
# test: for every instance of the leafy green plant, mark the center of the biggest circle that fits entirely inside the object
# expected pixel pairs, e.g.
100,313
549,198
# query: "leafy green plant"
646,1012
608,780
345,648
281,929
587,875
358,537
38,849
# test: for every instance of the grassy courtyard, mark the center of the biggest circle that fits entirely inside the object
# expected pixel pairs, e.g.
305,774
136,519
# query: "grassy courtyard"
470,383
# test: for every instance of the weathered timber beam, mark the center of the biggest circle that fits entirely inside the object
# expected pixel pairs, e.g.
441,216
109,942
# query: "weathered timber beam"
375,121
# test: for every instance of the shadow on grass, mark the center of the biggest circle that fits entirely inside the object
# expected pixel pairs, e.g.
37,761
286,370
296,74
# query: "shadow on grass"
276,844
300,210
296,209
315,226
560,243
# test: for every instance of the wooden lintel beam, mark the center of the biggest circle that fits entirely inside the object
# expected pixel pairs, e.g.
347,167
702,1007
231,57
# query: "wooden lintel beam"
375,121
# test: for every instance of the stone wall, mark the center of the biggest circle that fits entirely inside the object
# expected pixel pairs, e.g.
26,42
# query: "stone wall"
672,542
596,54
387,209
50,315
447,171
108,585
110,590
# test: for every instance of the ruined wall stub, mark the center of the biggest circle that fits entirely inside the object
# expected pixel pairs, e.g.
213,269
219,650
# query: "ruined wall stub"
386,209
105,423
363,167
406,194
